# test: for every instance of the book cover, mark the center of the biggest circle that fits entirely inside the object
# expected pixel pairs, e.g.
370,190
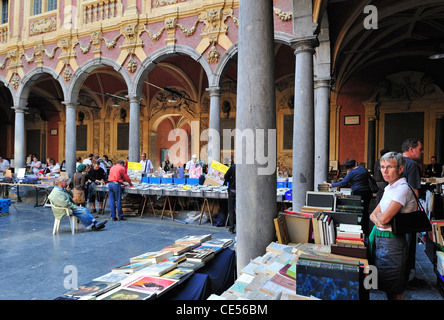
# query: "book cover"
131,267
177,249
219,242
126,294
179,274
215,249
92,289
273,288
193,239
284,281
158,269
115,277
201,255
153,257
187,264
149,284
237,287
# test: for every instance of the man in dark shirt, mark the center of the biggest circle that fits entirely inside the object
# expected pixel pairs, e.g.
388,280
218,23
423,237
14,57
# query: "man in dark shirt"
412,151
433,169
95,175
230,179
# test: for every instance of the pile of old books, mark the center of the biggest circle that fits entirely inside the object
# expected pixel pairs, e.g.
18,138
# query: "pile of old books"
349,241
151,274
297,272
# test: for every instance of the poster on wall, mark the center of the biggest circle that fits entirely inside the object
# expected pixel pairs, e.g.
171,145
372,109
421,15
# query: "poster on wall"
135,171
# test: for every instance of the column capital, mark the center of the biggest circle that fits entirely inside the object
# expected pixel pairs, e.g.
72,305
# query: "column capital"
133,98
19,109
304,44
70,104
214,91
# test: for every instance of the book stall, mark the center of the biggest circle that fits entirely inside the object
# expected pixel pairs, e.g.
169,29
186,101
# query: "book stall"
191,268
320,255
15,181
171,191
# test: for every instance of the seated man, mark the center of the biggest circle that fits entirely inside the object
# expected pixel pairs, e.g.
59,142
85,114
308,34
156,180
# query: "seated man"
60,196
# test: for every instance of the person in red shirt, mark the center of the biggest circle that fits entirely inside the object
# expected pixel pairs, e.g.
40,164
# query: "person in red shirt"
117,177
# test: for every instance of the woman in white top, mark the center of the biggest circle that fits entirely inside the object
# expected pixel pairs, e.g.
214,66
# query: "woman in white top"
36,165
391,250
54,167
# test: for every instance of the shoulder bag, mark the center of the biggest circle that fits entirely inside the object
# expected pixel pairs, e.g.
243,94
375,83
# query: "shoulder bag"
411,222
372,184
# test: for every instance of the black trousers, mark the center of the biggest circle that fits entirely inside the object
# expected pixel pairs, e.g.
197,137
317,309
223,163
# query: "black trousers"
231,214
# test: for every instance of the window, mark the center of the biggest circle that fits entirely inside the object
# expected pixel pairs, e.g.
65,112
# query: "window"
42,6
4,11
37,6
52,5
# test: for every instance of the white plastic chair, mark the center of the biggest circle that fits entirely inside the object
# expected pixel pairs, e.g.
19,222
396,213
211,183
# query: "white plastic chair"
72,220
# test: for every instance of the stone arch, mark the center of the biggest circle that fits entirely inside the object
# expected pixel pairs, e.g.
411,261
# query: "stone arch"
30,78
217,78
151,61
84,70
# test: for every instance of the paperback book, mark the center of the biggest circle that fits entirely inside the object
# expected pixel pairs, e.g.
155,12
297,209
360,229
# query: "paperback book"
147,284
91,289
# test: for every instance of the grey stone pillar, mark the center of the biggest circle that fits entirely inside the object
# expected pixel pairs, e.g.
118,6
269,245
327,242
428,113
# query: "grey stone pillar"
256,113
214,136
303,132
70,138
134,130
322,130
19,138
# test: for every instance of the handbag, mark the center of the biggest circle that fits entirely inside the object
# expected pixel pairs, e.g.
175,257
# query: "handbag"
411,222
372,184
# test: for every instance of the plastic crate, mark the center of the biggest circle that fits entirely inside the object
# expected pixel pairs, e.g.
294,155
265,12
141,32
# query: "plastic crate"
289,195
193,181
166,180
179,180
145,179
281,184
155,180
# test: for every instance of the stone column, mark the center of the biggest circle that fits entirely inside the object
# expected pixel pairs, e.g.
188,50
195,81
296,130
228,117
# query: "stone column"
19,138
214,136
256,117
303,132
322,130
134,130
70,138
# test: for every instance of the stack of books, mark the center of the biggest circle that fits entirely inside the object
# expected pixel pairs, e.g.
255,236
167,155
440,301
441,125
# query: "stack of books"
152,273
